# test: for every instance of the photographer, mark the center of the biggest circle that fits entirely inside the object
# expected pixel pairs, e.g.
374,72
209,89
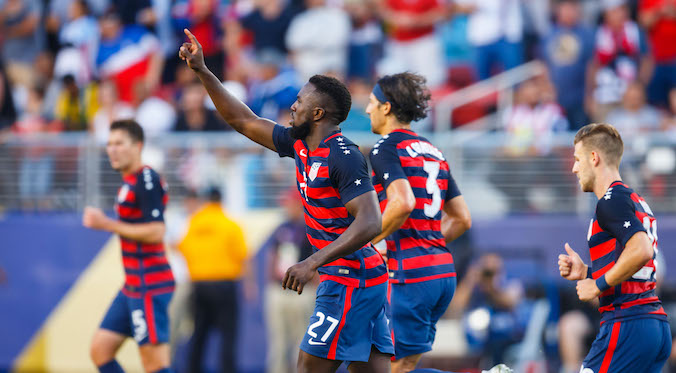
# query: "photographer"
488,304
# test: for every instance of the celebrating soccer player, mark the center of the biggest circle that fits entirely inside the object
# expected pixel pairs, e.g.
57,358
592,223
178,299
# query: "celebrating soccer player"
140,308
341,214
634,335
423,210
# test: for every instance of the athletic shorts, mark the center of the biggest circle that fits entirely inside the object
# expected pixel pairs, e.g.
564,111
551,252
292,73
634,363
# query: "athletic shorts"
145,318
636,345
414,310
347,321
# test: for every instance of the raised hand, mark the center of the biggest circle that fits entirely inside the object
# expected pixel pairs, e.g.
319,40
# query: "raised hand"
571,266
192,52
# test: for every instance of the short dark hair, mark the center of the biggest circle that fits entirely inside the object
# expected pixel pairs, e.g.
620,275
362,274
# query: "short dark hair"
602,137
337,92
408,95
132,128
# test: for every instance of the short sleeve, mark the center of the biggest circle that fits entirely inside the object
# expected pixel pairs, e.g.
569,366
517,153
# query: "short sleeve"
453,190
283,141
349,173
616,215
386,164
150,196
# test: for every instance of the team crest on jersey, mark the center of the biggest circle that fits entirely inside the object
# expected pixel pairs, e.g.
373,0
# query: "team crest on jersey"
314,170
122,194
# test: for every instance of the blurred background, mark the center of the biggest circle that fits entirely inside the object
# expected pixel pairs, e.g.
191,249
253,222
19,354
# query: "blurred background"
511,82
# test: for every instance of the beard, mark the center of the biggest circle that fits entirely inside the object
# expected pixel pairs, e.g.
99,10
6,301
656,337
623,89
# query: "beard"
300,131
587,185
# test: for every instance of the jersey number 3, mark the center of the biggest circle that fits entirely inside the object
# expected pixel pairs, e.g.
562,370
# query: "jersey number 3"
432,169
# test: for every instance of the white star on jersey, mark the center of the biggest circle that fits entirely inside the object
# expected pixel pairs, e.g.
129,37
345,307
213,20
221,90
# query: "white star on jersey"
606,197
386,175
357,182
375,151
340,139
346,152
627,224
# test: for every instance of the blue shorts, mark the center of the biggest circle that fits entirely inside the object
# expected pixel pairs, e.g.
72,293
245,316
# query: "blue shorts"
635,345
414,311
347,321
144,318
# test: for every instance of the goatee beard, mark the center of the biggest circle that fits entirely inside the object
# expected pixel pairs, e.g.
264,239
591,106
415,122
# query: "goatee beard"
301,131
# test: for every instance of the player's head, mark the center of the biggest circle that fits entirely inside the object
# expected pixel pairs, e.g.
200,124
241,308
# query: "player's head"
597,145
403,97
322,100
125,144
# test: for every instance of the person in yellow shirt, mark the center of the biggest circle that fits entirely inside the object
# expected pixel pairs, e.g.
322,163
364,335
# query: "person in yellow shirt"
215,254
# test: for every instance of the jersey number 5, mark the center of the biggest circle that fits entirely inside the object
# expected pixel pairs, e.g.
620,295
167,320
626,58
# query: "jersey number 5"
432,169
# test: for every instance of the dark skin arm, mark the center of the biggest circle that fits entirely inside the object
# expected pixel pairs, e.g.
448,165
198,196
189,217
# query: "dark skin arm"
456,218
366,225
232,110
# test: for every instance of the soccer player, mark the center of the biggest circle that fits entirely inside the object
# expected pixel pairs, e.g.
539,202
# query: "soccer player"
341,214
634,335
422,211
140,309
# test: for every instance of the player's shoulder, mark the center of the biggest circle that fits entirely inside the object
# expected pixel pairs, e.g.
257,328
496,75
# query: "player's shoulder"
149,179
341,147
617,196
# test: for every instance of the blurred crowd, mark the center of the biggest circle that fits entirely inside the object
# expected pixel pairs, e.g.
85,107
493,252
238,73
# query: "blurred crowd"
76,65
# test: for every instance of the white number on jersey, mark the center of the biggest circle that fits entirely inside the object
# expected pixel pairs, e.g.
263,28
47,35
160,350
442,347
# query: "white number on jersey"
432,169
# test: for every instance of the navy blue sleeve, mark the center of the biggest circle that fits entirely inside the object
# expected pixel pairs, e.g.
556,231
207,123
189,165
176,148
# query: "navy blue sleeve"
453,190
616,215
349,173
386,164
283,141
150,196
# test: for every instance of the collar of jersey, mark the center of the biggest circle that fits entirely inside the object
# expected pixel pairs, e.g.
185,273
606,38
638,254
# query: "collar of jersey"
130,177
403,130
321,143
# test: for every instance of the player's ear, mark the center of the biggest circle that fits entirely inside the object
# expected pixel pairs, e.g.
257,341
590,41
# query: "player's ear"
595,159
387,108
318,113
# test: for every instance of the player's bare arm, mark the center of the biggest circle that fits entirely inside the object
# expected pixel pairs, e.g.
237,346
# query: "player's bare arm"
455,219
151,232
233,111
400,204
571,266
366,225
637,253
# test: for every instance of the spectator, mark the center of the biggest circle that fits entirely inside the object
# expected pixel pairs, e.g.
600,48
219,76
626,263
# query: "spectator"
531,122
135,12
495,29
110,109
268,22
669,118
193,116
567,50
619,59
486,290
128,54
70,110
658,17
8,113
35,171
155,115
318,40
275,90
366,39
412,44
286,313
200,16
215,252
81,32
22,38
635,116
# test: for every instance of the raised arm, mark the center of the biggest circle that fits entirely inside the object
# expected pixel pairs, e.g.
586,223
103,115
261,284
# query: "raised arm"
366,225
233,111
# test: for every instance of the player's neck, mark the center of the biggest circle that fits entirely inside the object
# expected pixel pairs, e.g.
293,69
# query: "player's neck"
133,168
393,125
603,181
318,135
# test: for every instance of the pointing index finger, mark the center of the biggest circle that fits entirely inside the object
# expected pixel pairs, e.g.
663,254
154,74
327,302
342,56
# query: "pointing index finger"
192,37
